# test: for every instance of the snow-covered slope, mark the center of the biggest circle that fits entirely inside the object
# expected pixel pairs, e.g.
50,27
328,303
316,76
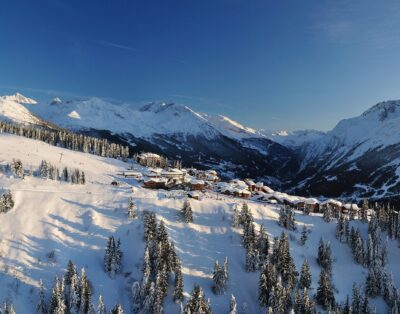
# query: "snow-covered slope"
362,151
144,121
11,109
293,139
74,221
176,131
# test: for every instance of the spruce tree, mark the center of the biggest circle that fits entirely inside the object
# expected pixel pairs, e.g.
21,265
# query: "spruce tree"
136,297
117,309
197,304
187,213
232,305
304,235
41,306
305,276
325,296
101,308
178,285
132,211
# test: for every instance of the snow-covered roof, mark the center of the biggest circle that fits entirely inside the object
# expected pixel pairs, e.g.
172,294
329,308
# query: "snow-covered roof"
311,201
196,181
171,172
267,189
259,184
351,206
157,180
149,155
250,182
332,201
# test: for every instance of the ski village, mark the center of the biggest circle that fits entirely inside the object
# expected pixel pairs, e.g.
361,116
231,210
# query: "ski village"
88,227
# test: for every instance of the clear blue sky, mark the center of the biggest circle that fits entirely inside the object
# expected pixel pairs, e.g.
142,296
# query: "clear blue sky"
270,64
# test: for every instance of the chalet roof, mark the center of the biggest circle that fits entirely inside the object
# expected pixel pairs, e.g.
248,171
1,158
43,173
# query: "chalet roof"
149,155
332,201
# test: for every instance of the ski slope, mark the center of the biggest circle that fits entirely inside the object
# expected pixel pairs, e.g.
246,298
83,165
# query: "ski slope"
75,221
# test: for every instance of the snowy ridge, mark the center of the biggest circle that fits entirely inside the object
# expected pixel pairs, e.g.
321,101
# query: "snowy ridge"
145,121
11,109
293,139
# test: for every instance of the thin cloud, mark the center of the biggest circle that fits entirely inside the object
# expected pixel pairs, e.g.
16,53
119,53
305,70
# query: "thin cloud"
115,45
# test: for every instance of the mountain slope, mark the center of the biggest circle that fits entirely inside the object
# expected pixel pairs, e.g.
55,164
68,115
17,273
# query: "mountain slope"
360,155
74,222
177,131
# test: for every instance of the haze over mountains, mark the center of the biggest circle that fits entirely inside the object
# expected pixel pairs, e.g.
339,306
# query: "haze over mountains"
359,157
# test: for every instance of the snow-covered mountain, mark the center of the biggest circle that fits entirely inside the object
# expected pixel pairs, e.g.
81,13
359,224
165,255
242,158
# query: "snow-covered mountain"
293,139
176,131
360,155
12,109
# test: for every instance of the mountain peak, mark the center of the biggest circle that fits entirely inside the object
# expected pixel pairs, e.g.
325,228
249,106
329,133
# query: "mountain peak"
19,98
384,109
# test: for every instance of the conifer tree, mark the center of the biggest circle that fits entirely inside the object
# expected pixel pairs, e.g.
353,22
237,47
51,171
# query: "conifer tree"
178,285
136,297
304,235
149,301
101,308
132,210
117,309
187,213
268,280
197,304
41,306
305,276
235,218
232,305
325,296
86,293
57,303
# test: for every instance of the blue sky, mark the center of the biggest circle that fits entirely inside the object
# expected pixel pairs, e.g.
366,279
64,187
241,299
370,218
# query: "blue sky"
268,64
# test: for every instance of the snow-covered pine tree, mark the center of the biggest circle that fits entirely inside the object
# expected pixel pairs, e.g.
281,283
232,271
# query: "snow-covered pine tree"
146,273
57,302
149,301
132,210
136,297
41,306
86,293
113,257
235,218
263,244
304,235
17,168
117,309
101,307
178,285
307,305
232,305
187,213
268,280
150,226
219,278
305,276
6,202
252,259
325,296
373,283
197,304
364,211
327,214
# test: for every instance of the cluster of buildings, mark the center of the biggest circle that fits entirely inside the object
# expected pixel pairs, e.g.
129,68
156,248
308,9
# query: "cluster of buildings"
196,181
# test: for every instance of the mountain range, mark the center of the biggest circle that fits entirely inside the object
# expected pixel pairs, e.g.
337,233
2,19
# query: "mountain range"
360,157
